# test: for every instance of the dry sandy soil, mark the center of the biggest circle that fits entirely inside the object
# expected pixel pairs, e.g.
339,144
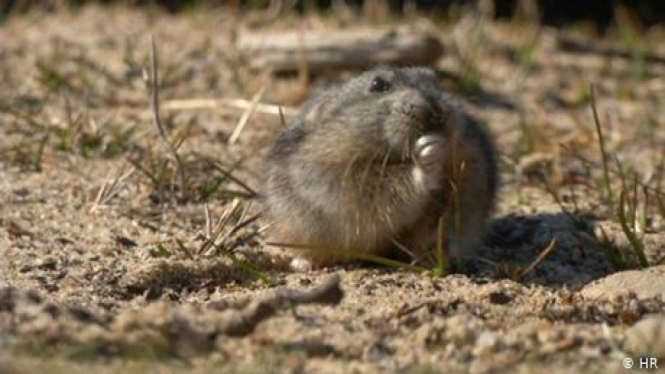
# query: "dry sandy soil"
112,261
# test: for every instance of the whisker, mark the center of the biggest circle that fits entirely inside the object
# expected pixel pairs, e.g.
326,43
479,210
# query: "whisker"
349,167
405,150
384,164
369,165
404,248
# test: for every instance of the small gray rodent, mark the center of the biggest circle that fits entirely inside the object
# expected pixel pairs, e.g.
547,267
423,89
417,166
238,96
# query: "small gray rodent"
371,165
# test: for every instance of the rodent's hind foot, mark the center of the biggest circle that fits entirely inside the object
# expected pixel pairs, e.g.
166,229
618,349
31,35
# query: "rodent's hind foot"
430,153
300,264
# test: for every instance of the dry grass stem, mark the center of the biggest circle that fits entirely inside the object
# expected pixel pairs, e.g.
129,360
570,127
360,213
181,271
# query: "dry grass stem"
234,104
601,142
247,115
541,257
154,100
109,188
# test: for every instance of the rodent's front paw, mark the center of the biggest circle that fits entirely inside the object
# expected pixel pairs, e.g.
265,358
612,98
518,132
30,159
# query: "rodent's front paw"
429,153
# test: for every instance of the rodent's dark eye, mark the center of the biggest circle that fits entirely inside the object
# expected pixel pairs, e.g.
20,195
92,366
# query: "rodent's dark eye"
379,84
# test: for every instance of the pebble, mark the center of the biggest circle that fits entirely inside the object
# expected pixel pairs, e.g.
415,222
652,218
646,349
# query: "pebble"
486,343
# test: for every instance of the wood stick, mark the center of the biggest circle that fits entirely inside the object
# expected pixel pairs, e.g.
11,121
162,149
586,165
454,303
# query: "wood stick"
340,49
570,43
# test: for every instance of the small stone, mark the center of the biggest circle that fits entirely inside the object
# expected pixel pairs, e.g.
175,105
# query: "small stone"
646,338
432,334
125,242
646,283
460,330
592,352
486,343
47,263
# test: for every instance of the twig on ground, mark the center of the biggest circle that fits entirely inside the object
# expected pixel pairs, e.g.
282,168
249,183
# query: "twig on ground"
243,322
575,44
541,257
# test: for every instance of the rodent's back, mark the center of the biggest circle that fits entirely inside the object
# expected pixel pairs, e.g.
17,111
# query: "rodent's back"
374,162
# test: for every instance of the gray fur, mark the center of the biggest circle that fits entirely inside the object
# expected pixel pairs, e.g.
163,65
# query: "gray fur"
359,170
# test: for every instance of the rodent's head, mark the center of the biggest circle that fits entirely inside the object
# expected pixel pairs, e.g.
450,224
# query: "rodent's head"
388,109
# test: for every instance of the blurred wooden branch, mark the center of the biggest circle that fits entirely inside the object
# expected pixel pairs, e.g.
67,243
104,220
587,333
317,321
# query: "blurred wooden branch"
339,49
571,43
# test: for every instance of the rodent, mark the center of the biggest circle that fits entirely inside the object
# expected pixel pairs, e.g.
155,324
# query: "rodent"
371,165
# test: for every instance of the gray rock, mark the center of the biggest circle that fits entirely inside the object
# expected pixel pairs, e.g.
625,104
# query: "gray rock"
644,283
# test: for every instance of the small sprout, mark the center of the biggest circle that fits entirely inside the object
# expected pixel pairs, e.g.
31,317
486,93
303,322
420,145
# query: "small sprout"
442,267
226,237
161,251
35,159
628,229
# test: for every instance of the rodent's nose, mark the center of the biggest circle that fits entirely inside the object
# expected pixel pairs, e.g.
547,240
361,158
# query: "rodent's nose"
425,110
414,104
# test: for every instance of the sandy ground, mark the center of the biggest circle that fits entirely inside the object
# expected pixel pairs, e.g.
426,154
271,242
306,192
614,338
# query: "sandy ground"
105,265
